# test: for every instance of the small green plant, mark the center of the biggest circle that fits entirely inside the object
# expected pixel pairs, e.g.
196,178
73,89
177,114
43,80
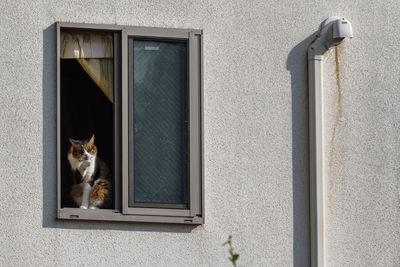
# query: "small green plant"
233,256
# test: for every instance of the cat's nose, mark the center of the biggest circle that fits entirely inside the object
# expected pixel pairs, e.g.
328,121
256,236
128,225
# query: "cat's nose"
85,157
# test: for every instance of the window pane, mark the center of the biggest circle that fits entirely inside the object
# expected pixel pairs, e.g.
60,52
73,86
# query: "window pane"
160,121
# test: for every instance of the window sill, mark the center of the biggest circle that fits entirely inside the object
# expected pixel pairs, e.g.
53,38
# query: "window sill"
110,215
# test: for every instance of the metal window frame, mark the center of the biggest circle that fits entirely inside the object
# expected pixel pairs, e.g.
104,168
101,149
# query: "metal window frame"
194,119
195,213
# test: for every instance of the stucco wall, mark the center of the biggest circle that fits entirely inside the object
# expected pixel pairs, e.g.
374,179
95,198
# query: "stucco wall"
256,148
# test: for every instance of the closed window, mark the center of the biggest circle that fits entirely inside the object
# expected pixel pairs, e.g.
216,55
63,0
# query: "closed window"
129,102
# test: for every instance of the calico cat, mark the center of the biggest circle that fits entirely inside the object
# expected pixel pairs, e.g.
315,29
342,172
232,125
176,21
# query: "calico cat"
90,176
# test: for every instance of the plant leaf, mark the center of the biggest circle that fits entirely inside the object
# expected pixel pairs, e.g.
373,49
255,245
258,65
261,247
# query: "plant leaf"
235,257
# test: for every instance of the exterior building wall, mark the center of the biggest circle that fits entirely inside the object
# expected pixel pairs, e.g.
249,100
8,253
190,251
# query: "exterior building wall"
255,136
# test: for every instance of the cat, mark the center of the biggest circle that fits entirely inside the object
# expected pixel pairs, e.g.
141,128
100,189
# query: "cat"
90,176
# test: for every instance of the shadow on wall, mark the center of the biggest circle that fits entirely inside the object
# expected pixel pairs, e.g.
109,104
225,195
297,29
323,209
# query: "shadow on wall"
49,99
297,65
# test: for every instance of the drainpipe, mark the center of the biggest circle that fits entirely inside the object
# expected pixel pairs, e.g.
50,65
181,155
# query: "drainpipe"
331,33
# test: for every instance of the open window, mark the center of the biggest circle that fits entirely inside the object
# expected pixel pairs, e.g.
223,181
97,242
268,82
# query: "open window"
139,92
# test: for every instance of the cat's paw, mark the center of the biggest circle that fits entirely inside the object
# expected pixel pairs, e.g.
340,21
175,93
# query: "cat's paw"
83,207
93,207
85,164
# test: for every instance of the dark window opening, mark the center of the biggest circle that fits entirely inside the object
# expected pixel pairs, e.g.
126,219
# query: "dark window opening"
85,111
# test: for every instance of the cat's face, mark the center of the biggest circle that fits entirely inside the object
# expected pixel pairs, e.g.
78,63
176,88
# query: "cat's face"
83,150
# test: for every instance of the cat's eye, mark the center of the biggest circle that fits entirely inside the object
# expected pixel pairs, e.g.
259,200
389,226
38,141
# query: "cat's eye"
144,86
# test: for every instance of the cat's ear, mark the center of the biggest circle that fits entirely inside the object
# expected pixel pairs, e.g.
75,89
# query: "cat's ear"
73,142
91,140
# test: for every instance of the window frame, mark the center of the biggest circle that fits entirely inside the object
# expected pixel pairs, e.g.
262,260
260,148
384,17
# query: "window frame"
194,214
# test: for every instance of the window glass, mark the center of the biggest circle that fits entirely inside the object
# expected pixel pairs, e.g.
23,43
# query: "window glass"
160,122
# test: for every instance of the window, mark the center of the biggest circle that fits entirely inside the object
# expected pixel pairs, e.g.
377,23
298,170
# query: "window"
138,90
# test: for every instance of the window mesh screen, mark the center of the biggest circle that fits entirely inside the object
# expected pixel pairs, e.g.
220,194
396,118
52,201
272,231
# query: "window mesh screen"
160,121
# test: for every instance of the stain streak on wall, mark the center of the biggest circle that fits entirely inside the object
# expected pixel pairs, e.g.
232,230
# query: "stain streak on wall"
339,114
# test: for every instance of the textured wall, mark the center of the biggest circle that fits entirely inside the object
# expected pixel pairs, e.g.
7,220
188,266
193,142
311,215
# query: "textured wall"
255,136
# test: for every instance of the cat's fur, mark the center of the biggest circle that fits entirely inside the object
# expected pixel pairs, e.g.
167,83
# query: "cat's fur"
90,176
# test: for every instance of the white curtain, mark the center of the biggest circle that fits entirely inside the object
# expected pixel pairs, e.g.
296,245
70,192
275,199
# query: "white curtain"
94,52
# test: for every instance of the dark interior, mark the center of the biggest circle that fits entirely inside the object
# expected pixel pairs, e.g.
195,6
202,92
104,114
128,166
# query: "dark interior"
85,111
